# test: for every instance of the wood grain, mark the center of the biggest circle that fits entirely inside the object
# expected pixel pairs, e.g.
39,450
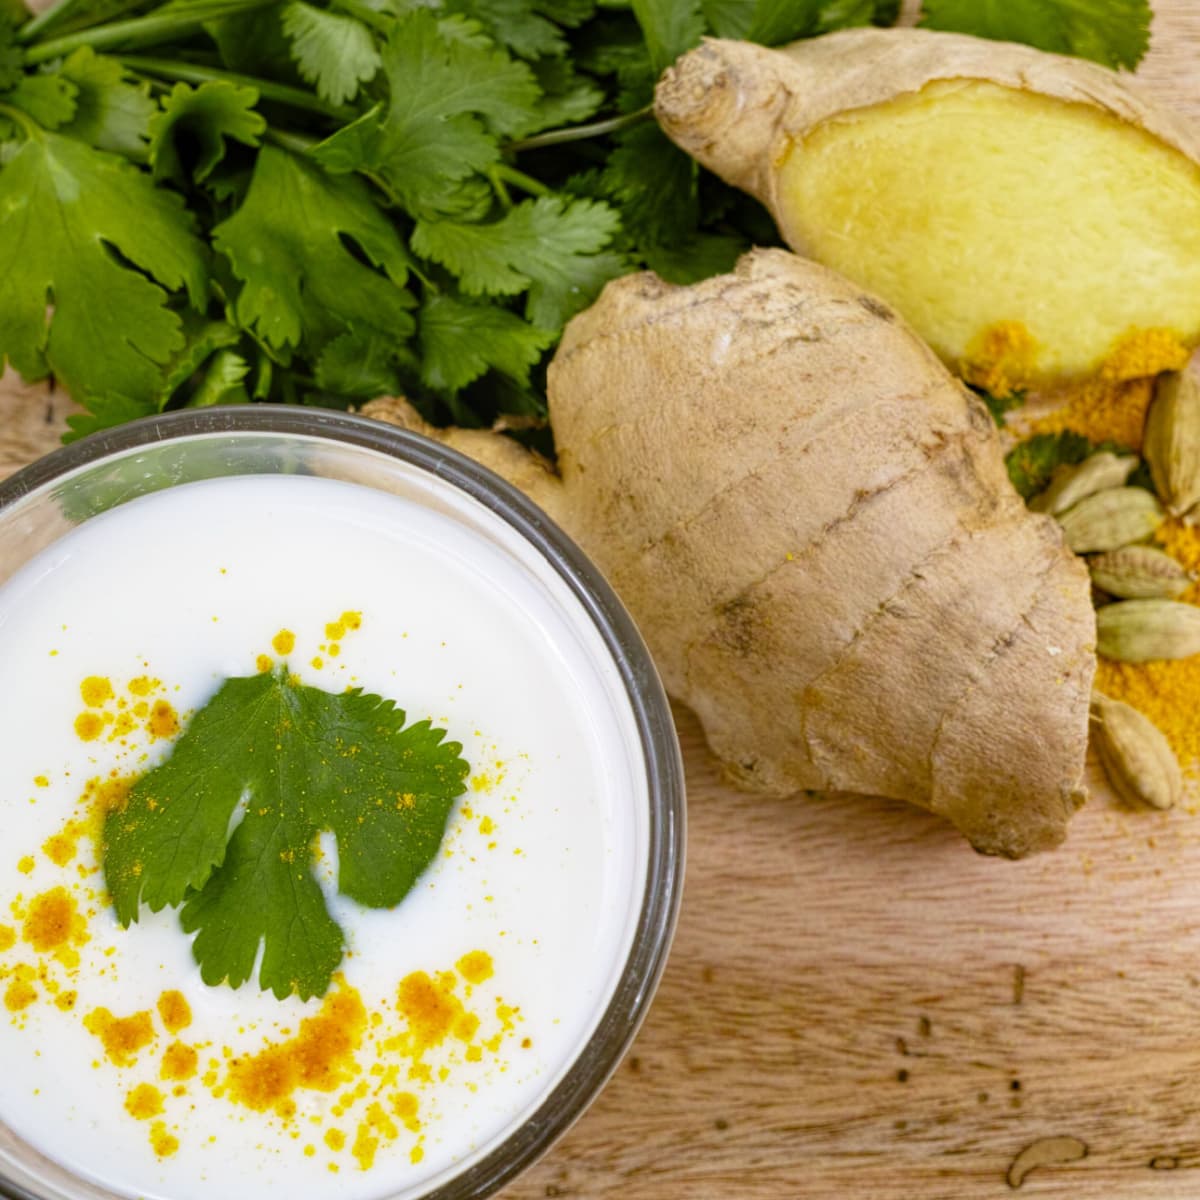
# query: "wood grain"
857,1005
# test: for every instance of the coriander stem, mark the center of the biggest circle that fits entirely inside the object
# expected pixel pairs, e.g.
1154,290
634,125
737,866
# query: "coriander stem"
498,186
575,133
502,173
144,30
36,24
23,119
297,143
368,16
278,93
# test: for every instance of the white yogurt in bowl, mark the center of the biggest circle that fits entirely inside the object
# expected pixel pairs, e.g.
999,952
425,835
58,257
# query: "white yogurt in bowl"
466,1026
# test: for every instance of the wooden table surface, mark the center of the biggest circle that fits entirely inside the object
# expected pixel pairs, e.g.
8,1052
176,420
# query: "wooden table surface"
859,1006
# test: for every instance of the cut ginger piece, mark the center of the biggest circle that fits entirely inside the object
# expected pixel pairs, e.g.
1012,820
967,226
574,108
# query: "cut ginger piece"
1027,213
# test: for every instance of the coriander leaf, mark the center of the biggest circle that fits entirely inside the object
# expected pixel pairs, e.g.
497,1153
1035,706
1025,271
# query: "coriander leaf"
702,255
48,99
567,98
568,13
778,21
460,341
110,113
307,761
670,27
333,51
349,366
730,18
288,245
463,31
1113,32
448,103
11,59
1034,22
64,207
108,411
222,382
517,25
544,244
653,184
253,43
201,119
202,337
998,406
844,14
1031,464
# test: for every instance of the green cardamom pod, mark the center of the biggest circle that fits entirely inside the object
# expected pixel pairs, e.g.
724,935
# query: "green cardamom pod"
1069,485
1171,442
1142,630
1139,573
1135,754
1111,519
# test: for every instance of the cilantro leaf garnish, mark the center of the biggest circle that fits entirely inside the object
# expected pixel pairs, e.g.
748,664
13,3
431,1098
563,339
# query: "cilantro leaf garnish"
62,206
1113,32
305,762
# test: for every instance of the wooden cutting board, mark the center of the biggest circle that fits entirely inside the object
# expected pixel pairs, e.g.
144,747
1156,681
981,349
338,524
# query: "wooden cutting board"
859,1006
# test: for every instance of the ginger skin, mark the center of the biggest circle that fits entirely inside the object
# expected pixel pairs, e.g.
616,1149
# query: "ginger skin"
810,520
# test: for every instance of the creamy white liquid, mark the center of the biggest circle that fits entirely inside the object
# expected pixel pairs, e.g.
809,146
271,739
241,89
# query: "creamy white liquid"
545,875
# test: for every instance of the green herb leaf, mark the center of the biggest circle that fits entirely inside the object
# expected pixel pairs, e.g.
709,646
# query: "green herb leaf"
998,406
110,112
460,341
306,761
670,28
778,21
518,25
349,366
48,99
1113,32
449,104
10,57
543,244
654,185
62,205
222,382
202,118
1031,464
202,337
287,243
335,52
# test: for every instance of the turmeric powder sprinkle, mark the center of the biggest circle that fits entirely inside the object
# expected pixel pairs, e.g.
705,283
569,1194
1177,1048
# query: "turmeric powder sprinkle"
358,1071
175,1011
122,1037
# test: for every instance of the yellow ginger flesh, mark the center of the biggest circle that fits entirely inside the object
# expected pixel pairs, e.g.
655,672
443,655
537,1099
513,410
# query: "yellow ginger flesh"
1025,210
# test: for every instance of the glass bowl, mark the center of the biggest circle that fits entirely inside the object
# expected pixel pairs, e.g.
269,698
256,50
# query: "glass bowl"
73,485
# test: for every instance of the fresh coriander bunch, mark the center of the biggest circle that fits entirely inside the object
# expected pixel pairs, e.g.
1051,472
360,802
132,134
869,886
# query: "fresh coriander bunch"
218,201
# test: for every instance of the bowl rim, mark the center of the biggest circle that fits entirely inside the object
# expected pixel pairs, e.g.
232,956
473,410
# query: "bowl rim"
663,886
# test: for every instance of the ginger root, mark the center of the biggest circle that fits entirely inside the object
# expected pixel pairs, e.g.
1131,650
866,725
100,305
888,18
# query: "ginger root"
1024,211
810,520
